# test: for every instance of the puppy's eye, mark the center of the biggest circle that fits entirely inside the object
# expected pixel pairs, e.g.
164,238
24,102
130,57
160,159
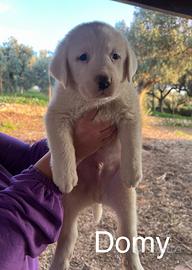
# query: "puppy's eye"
83,57
115,56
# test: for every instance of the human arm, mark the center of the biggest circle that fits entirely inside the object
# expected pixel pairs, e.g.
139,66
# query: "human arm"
31,215
31,208
16,155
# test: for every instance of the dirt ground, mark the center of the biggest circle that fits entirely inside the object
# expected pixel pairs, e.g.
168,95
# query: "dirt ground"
164,195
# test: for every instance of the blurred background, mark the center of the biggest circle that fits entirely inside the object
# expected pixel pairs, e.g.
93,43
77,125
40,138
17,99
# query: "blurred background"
29,33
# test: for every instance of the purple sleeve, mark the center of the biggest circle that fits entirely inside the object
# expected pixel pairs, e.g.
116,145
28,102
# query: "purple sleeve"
31,216
16,155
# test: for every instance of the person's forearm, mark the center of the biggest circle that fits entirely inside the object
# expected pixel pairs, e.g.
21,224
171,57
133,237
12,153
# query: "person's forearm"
16,155
44,164
31,212
13,154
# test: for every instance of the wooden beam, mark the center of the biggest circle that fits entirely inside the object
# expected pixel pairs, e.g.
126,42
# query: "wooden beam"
182,8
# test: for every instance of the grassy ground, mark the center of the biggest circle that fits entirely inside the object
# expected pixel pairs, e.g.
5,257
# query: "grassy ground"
22,115
164,196
29,97
175,120
170,115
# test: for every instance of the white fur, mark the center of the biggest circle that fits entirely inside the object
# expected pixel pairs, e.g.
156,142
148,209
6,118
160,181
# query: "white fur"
76,92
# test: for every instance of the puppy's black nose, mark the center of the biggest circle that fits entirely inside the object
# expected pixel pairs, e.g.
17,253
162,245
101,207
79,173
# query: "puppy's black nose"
103,82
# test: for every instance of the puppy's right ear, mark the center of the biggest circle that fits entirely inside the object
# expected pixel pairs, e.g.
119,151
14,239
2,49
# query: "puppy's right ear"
130,63
59,67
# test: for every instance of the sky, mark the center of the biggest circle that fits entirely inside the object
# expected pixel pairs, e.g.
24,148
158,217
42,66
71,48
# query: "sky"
42,23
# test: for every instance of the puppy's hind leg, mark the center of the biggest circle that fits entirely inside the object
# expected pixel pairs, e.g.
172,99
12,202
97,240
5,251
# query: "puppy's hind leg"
128,227
69,232
66,243
123,201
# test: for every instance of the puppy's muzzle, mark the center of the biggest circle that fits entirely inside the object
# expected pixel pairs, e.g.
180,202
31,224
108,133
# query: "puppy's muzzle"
103,82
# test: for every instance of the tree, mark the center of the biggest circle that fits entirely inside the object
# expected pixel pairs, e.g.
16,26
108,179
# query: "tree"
24,55
21,68
12,64
176,101
2,68
16,58
163,47
185,83
39,71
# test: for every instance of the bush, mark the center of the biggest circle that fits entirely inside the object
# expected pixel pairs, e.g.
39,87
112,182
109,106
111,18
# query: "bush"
185,111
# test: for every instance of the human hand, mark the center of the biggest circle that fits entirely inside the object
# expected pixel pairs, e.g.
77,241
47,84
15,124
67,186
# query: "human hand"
89,136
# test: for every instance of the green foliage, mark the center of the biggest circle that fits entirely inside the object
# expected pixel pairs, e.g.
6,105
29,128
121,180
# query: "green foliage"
185,82
16,58
39,74
162,43
179,103
21,68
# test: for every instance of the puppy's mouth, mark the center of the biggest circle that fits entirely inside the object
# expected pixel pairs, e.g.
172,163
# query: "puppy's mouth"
104,94
96,97
97,94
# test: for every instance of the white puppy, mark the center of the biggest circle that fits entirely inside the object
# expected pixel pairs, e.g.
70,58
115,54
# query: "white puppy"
93,67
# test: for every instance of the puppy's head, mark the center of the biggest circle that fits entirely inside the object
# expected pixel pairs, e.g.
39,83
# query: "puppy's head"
95,59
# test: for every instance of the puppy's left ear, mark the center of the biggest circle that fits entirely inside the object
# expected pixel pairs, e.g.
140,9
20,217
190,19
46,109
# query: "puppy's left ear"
59,65
130,67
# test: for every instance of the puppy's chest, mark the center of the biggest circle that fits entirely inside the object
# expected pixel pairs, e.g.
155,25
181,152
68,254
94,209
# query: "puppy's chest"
107,159
112,110
102,179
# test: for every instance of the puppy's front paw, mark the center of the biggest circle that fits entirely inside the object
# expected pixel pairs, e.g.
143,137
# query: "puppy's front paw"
65,179
132,263
130,176
63,265
69,182
136,179
134,266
